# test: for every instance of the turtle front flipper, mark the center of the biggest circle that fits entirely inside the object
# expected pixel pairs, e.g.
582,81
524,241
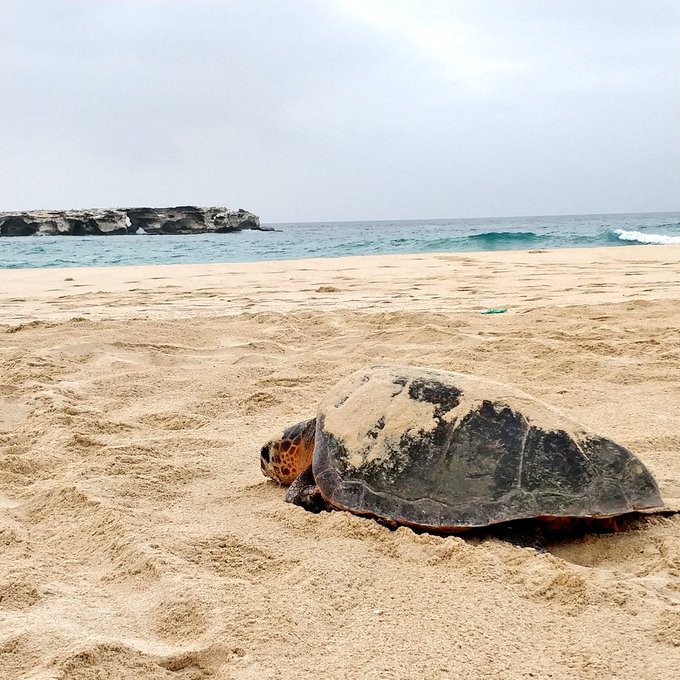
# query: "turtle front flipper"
285,458
304,492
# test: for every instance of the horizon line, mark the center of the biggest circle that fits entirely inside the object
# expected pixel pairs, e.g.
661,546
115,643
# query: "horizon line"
483,217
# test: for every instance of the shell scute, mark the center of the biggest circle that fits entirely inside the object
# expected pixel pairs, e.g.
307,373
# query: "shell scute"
554,463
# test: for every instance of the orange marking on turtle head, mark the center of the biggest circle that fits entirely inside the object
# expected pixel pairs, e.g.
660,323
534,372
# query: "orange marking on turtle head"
284,458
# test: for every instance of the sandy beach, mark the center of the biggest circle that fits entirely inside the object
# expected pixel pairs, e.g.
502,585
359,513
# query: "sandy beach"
139,538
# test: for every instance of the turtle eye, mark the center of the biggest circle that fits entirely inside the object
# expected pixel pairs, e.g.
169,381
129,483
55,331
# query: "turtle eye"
265,453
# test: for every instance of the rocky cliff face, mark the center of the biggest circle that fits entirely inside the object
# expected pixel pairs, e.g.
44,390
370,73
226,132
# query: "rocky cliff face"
179,220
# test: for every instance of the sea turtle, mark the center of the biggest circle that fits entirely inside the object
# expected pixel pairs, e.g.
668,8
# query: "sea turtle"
446,452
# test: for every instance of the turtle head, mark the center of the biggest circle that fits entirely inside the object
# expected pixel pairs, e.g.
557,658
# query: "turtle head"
285,457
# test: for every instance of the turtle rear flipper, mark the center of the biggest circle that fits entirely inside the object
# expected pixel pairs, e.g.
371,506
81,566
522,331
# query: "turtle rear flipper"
305,492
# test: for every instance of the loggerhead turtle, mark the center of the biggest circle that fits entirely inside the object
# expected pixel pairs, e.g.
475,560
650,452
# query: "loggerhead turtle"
446,452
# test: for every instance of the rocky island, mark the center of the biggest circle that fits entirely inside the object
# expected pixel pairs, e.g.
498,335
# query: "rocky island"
105,222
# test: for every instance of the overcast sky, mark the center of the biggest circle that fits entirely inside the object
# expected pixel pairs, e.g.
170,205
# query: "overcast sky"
304,110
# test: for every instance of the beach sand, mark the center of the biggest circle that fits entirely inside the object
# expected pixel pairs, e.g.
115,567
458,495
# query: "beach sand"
140,540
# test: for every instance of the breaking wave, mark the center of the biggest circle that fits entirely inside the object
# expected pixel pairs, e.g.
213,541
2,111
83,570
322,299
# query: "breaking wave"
641,237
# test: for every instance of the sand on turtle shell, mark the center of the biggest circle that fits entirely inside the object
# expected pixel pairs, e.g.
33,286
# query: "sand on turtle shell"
369,413
139,538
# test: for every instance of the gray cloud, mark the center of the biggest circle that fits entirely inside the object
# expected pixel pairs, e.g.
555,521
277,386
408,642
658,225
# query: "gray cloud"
340,109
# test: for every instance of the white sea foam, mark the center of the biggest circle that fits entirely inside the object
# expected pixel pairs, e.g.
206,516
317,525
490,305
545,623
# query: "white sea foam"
641,237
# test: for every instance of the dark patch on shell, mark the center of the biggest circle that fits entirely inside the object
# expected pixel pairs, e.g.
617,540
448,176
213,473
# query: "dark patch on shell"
443,397
373,432
341,401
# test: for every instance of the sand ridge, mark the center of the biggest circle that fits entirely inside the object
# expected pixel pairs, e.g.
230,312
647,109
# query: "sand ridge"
139,538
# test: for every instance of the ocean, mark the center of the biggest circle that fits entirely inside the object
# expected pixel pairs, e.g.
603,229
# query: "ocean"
335,239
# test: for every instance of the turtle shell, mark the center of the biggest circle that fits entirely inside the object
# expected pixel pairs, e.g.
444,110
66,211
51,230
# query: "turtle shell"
449,451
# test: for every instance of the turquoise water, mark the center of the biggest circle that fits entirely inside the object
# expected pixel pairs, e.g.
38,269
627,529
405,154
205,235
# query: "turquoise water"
334,239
